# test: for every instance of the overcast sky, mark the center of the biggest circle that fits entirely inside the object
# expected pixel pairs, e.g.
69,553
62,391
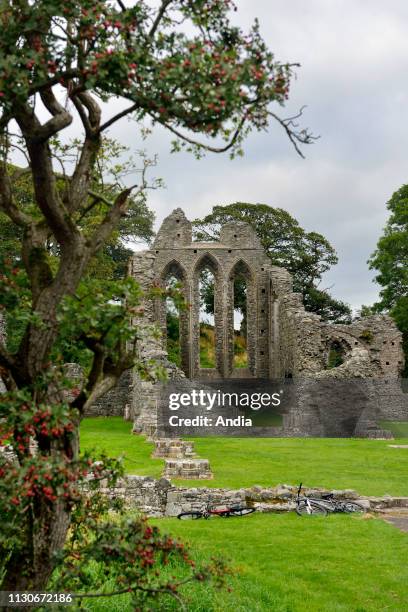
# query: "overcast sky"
354,81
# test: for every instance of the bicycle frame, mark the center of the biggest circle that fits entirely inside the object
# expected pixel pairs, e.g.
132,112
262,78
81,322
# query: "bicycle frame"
329,502
210,511
224,511
308,501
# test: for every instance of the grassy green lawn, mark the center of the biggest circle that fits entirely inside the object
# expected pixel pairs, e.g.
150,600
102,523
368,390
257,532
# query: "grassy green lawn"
370,467
399,430
283,562
113,435
286,563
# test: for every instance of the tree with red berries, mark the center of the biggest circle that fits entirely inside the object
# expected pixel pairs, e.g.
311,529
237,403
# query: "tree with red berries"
181,65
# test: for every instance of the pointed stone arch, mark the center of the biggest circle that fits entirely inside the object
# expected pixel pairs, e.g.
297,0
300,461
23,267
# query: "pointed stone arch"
241,269
208,261
174,268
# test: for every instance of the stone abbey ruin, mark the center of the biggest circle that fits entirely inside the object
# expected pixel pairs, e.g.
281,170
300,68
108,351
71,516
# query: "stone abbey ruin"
284,341
285,345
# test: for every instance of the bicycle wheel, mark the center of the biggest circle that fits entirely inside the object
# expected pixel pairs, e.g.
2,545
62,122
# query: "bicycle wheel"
190,516
311,509
241,511
353,507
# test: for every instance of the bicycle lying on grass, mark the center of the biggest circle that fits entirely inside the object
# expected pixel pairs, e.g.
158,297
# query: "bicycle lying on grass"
214,512
322,506
306,505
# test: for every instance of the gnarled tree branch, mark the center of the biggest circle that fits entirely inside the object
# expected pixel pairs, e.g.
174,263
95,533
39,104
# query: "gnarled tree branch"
7,204
44,181
295,135
199,144
112,218
115,118
82,176
159,17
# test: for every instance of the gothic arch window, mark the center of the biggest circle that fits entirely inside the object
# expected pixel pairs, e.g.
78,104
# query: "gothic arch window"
207,261
241,319
174,268
206,315
173,319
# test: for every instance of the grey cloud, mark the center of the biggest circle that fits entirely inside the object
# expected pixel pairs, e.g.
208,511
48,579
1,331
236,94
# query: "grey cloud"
354,56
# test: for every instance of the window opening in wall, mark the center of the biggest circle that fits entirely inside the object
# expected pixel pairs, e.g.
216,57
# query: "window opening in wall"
240,323
336,355
206,319
173,323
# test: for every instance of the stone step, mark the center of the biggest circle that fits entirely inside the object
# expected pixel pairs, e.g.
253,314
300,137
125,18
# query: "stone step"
173,448
194,469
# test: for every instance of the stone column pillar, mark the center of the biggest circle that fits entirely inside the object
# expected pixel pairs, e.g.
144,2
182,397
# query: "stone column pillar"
194,326
187,332
143,404
274,370
224,325
253,335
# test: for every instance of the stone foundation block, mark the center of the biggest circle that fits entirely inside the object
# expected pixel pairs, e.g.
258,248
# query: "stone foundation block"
195,469
173,449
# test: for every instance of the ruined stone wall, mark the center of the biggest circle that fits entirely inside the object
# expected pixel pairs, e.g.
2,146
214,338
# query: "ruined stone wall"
353,398
238,252
143,396
114,402
300,350
378,337
372,345
284,341
161,498
142,492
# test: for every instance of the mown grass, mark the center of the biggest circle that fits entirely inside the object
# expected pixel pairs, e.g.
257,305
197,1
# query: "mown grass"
371,467
114,435
282,562
398,429
286,563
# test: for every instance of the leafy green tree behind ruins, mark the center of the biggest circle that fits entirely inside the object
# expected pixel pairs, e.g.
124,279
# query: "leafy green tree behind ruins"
306,255
390,260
